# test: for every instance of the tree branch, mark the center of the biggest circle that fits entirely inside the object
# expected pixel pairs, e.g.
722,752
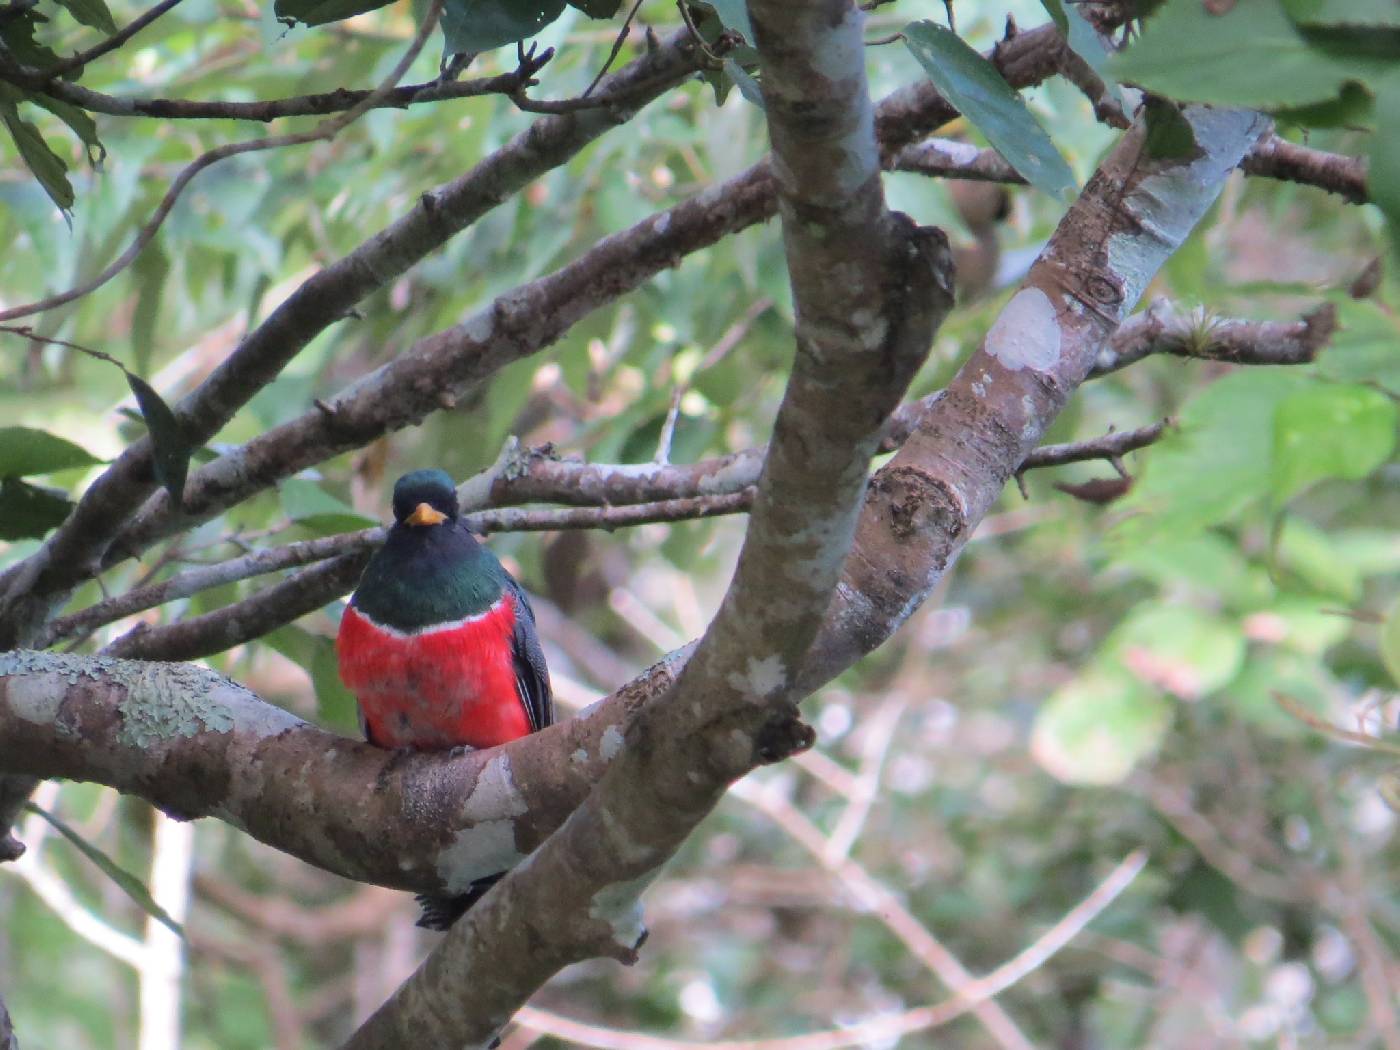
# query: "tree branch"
50,83
74,552
869,291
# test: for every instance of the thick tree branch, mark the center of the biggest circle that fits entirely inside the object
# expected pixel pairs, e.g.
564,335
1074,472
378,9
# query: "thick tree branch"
621,495
869,290
440,368
925,503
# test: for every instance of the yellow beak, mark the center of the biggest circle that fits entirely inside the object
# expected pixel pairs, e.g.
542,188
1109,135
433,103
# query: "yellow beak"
423,514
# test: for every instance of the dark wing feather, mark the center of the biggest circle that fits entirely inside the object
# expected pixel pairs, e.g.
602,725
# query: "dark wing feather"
531,674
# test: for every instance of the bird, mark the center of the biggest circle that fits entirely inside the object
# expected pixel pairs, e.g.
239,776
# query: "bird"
438,644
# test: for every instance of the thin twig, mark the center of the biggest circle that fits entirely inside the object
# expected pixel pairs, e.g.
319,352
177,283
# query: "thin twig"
616,48
113,42
327,129
878,1029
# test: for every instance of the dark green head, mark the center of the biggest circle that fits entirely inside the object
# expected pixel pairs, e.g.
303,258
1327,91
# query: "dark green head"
431,569
433,488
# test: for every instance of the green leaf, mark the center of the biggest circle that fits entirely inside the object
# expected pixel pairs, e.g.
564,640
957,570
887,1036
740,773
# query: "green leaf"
747,85
171,451
597,8
1214,464
79,121
315,654
319,12
24,451
307,504
1383,177
1390,642
1371,13
149,274
92,13
1330,431
1177,649
1250,56
17,34
28,511
46,165
1083,39
980,94
480,25
1097,727
734,16
1307,553
1169,133
125,880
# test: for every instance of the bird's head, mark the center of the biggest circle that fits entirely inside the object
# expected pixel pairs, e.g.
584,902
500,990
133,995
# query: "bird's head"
425,497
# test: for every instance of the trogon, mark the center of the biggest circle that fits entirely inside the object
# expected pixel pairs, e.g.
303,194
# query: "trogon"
439,645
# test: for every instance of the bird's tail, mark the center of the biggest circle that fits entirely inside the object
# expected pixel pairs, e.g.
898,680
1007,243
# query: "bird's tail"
439,913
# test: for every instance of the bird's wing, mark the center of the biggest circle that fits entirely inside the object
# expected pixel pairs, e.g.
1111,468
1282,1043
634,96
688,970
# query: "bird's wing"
531,674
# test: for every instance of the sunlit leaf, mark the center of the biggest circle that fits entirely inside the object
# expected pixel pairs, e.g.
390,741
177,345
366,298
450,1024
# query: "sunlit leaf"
1251,55
1177,649
1097,727
980,94
25,451
1330,431
309,505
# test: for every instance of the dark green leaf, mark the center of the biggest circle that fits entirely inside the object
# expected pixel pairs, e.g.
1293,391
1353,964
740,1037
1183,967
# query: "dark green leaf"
127,882
28,511
734,15
1083,39
975,87
79,120
17,34
319,12
1383,179
597,8
480,25
171,453
25,451
46,165
747,85
1169,133
91,13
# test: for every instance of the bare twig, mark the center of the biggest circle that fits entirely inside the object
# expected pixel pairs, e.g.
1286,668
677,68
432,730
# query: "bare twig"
879,1029
1277,158
617,47
113,42
267,110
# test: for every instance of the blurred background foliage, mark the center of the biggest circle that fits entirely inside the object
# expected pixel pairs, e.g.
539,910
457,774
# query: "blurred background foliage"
1159,672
